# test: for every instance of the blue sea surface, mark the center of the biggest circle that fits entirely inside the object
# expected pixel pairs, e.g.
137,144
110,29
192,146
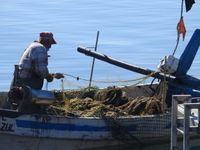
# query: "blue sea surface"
137,32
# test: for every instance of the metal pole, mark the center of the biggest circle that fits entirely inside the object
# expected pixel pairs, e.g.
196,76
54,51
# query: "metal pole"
174,123
176,99
186,136
91,73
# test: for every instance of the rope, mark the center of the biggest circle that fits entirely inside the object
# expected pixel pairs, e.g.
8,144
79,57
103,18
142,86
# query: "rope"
120,132
163,90
116,81
178,35
63,89
163,93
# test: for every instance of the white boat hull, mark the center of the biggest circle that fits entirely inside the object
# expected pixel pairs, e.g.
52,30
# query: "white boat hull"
57,133
41,132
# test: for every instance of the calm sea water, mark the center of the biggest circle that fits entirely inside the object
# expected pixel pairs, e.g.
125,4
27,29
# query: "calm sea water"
137,32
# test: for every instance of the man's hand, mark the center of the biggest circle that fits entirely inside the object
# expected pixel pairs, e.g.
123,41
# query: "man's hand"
58,75
49,77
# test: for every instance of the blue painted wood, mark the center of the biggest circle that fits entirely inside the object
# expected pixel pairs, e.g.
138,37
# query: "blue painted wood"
189,54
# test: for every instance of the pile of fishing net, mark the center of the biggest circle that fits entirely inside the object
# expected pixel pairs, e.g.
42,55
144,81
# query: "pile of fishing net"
96,102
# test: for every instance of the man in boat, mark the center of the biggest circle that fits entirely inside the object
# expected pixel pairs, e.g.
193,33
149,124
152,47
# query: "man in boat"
32,69
31,72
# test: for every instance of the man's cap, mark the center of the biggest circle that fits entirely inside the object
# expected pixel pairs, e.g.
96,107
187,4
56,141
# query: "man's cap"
47,36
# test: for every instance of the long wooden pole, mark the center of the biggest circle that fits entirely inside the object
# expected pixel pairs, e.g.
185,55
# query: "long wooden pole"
125,65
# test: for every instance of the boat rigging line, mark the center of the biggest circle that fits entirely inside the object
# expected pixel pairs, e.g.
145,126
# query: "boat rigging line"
103,81
181,26
180,29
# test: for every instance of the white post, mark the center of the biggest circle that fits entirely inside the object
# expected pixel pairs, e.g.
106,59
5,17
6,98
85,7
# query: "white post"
174,123
186,126
178,99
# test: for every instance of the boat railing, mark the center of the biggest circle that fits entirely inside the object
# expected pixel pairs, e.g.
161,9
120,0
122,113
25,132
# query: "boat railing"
190,110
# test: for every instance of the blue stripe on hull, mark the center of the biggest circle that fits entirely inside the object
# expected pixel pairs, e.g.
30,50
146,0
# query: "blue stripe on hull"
64,127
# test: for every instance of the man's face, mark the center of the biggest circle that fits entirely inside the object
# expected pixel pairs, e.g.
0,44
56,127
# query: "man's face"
48,44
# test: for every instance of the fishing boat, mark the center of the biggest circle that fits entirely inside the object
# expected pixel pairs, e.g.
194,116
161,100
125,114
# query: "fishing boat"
21,130
40,131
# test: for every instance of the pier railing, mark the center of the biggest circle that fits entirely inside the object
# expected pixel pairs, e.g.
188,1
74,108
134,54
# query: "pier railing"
182,122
